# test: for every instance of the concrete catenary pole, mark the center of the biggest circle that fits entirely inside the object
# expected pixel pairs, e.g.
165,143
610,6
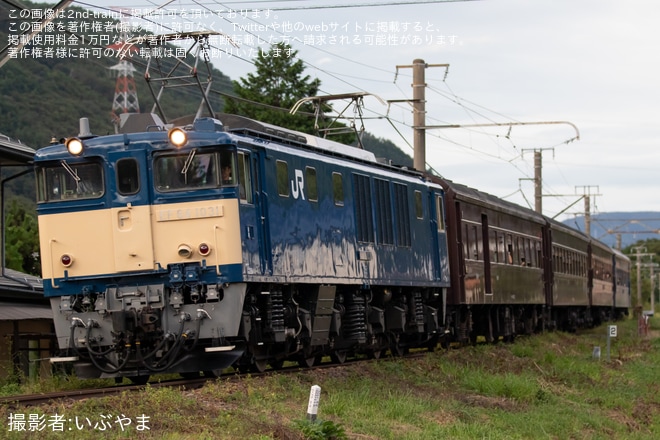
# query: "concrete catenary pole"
419,114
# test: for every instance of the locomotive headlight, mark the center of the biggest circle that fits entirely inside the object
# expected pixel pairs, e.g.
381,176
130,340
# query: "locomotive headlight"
66,260
74,146
204,249
185,251
178,137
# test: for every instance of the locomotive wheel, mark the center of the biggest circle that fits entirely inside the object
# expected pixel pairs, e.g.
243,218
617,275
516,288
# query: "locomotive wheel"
307,362
396,348
212,373
139,380
260,365
375,354
339,356
432,343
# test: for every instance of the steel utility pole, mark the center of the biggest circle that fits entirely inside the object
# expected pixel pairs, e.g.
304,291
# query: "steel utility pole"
586,193
640,251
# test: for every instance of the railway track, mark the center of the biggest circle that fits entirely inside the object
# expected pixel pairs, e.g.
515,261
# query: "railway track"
28,400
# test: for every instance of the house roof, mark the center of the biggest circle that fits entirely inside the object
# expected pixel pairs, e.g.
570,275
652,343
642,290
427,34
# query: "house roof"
13,152
20,287
11,311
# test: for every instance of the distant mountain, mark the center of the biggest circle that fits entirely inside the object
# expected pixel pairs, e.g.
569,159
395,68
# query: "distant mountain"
631,227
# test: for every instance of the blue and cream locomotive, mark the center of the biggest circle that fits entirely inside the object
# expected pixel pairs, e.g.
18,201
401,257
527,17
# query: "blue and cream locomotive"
233,242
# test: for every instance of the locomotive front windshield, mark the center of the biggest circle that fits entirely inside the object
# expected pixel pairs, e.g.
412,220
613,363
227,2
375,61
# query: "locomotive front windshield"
65,181
194,170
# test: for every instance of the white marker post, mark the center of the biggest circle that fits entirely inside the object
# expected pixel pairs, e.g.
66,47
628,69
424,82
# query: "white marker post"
313,406
611,333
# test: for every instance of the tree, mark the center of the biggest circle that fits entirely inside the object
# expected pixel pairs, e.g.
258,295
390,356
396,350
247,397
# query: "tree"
22,239
279,82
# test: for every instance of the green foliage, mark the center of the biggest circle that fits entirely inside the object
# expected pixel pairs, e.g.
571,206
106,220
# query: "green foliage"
321,429
387,149
45,97
279,82
22,238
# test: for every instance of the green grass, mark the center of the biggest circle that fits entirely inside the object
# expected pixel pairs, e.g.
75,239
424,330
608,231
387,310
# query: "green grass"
545,386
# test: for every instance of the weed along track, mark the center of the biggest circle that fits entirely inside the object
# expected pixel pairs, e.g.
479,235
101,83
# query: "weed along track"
185,384
547,383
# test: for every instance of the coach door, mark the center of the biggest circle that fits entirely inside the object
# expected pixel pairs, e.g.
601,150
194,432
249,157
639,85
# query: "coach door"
131,212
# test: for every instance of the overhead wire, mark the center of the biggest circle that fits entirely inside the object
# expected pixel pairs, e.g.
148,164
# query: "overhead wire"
343,78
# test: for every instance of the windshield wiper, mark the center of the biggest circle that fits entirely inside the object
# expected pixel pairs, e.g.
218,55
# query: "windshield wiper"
80,185
188,162
71,171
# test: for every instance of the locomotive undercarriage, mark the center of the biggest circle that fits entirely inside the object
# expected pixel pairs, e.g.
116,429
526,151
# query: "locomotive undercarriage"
135,331
305,323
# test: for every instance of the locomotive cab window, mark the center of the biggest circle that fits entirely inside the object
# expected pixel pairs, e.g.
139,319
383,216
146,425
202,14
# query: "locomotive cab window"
65,181
128,177
194,170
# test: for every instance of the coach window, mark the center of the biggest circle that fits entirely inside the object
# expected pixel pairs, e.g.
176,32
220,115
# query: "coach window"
509,249
338,189
492,243
128,177
282,178
244,180
311,185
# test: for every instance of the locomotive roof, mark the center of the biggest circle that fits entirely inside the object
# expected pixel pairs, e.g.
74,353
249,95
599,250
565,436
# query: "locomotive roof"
241,124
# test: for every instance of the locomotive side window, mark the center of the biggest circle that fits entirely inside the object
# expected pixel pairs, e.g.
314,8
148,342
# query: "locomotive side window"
439,209
227,169
244,180
66,181
338,189
128,177
419,208
311,185
282,178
